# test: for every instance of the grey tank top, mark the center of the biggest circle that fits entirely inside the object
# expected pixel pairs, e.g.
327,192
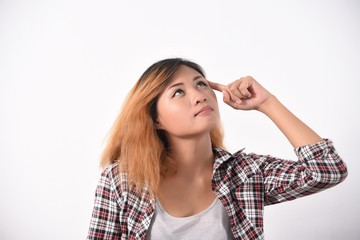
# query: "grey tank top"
210,224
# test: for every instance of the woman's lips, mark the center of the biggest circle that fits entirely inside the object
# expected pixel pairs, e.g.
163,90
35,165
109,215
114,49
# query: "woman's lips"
204,111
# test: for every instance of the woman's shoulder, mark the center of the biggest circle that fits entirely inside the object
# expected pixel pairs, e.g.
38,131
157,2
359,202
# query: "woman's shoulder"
118,179
241,161
110,171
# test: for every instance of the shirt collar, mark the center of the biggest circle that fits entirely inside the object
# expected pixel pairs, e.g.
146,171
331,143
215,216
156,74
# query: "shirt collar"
222,155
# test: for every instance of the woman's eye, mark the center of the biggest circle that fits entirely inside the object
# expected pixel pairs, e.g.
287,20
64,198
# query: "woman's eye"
177,92
202,84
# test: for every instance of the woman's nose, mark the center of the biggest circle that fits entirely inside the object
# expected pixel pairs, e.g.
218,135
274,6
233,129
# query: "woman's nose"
199,98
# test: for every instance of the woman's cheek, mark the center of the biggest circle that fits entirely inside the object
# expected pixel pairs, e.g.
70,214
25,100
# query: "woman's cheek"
175,115
213,93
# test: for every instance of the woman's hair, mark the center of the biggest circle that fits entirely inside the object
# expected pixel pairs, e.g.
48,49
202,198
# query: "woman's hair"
134,143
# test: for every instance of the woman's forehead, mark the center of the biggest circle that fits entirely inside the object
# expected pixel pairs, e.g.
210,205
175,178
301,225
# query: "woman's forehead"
184,73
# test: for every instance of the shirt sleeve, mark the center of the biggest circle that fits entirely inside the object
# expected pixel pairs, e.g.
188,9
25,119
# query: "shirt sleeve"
318,167
105,222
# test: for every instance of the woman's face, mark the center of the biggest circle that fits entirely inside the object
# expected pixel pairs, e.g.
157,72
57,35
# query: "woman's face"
188,106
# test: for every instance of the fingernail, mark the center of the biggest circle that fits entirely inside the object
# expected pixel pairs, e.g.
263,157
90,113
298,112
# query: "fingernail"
238,101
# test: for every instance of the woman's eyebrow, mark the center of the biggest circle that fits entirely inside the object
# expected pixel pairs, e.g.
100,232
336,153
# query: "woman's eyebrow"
181,83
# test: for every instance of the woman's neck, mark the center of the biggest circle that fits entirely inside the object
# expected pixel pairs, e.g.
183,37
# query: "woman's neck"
194,156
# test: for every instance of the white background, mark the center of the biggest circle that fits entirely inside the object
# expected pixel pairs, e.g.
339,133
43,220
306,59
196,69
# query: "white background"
66,67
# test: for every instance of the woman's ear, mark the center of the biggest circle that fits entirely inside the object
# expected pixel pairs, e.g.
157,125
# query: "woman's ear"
157,124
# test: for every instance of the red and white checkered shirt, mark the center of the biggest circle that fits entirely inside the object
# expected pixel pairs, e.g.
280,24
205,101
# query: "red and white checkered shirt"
244,183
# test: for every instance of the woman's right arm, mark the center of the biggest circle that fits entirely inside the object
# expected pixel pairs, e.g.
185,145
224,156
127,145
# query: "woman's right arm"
105,222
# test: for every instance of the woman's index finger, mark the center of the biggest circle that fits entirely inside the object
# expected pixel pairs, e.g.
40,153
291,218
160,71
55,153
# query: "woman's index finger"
216,86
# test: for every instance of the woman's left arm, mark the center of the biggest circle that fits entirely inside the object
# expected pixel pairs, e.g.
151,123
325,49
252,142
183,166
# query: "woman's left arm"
319,166
247,94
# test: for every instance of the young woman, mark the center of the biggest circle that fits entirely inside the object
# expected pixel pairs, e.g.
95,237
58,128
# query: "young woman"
167,175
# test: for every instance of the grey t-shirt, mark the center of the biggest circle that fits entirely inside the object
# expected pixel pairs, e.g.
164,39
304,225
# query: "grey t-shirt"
210,224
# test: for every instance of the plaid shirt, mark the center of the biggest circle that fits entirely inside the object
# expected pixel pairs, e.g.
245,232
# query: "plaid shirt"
244,183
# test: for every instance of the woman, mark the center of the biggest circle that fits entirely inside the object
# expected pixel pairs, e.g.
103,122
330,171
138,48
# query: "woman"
167,175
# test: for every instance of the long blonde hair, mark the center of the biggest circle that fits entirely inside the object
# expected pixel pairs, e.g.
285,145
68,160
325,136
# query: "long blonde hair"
134,142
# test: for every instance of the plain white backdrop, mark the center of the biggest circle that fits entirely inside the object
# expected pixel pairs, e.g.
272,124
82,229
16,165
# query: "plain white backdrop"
66,67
